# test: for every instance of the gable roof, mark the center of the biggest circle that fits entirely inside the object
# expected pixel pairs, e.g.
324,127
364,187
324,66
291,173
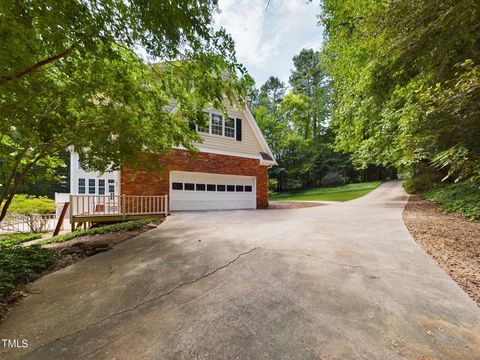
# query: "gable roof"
266,157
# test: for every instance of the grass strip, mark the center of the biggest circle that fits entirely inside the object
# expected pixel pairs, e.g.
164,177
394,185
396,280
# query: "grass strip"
339,193
128,225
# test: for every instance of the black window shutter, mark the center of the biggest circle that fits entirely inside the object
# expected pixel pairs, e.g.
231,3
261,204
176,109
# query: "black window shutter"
192,125
239,130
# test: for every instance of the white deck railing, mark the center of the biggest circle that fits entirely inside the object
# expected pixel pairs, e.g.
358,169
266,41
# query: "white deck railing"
19,223
110,205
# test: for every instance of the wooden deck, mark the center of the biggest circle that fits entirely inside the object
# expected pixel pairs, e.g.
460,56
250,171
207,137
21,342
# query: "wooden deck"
109,208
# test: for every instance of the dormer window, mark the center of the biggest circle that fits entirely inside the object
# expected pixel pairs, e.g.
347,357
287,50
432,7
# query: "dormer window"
218,126
205,129
230,128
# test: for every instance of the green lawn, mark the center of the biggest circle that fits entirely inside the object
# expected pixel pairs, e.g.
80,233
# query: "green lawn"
339,193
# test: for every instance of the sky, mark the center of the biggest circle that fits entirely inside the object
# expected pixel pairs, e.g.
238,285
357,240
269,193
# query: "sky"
266,41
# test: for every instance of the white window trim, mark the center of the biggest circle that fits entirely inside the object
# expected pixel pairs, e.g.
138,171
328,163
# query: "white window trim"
95,186
104,186
210,113
110,182
234,128
84,186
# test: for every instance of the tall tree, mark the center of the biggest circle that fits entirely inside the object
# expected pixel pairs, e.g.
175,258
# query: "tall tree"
407,82
296,125
70,75
309,79
272,92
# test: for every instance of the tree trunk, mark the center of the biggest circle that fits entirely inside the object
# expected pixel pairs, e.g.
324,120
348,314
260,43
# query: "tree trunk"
5,206
38,65
314,165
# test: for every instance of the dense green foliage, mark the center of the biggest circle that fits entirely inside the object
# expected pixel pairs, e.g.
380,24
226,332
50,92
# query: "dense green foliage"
128,225
70,75
423,182
296,126
29,204
461,198
7,240
406,83
30,210
333,179
21,265
340,193
58,181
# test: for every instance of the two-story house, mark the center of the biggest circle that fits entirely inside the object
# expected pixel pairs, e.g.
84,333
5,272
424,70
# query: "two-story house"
229,172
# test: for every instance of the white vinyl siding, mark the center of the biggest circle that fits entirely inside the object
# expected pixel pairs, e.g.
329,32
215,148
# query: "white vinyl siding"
218,126
84,182
248,145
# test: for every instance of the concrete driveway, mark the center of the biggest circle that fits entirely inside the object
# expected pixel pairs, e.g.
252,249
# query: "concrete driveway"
340,281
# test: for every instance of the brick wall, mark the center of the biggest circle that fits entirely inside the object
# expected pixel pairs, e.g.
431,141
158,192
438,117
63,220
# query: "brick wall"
157,183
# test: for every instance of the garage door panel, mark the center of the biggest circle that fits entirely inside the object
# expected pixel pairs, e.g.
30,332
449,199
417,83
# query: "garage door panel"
207,205
190,191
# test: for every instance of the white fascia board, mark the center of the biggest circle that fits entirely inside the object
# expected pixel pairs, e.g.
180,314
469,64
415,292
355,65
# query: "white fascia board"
267,163
222,152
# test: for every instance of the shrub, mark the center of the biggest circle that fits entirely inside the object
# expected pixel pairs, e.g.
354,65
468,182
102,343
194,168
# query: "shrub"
294,184
21,265
29,204
462,197
421,183
27,208
272,184
332,179
423,179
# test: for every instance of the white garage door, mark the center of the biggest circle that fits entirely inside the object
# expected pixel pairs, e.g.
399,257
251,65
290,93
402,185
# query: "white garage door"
202,191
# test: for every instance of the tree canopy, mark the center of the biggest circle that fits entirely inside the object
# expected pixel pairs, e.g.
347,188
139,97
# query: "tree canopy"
406,79
296,124
71,74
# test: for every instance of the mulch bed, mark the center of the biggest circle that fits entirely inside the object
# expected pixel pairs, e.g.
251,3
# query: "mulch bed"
452,240
74,250
281,205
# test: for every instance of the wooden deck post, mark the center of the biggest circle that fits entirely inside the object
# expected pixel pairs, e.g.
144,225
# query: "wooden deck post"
60,219
124,203
72,222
